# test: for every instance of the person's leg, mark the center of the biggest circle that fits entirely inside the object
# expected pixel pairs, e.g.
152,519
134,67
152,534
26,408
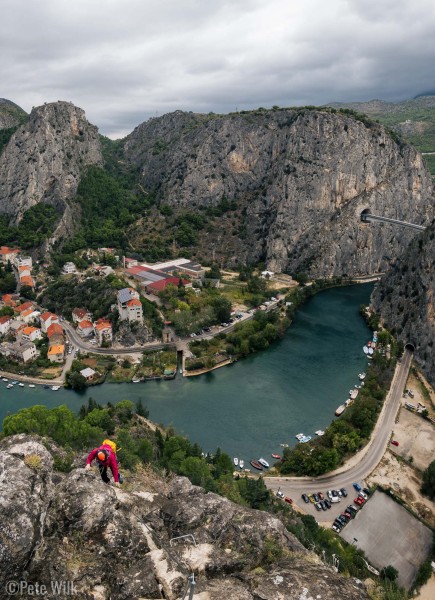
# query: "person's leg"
103,473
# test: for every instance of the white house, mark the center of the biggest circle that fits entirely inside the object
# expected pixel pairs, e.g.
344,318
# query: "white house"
30,334
5,325
129,305
103,331
85,328
47,319
69,268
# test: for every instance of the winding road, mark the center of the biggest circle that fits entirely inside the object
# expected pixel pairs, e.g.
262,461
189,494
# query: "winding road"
359,466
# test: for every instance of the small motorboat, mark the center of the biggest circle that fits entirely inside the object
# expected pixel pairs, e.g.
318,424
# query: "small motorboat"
264,462
242,464
256,465
305,439
21,384
276,456
365,350
5,379
135,380
361,376
32,385
14,382
55,388
284,445
319,432
236,461
299,436
9,386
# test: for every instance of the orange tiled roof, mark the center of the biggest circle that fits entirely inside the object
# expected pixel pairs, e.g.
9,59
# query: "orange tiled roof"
134,302
100,325
24,307
4,320
55,328
27,280
29,330
28,312
60,349
85,324
47,315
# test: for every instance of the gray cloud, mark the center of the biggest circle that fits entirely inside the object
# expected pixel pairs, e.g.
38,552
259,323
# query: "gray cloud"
126,60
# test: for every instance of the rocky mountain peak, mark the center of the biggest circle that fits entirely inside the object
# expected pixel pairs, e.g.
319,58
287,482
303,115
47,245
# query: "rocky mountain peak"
44,159
120,543
11,115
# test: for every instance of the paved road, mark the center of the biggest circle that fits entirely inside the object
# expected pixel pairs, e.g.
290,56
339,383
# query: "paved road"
359,466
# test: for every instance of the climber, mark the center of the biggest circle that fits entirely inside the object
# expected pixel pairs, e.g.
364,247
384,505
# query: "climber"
106,457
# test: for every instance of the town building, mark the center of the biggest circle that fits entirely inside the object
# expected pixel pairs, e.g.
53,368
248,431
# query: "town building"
103,331
10,300
5,325
23,307
29,315
81,314
47,319
30,334
8,254
69,268
19,351
56,334
85,328
129,305
88,373
160,286
56,353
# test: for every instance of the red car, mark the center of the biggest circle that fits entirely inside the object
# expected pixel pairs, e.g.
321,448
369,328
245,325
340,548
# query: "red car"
289,500
359,501
321,496
394,442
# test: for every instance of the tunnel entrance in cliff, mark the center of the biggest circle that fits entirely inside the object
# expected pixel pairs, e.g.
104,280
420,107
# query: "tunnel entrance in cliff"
410,346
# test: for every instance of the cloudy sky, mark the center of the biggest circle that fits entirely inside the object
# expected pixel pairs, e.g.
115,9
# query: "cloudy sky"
123,61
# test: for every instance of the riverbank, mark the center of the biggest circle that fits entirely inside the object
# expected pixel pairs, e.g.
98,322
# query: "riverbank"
230,361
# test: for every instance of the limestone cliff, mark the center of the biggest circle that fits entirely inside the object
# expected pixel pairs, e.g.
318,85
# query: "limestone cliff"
405,298
43,161
116,543
299,179
11,115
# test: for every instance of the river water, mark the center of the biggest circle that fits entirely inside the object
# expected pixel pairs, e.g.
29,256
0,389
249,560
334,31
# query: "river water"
252,406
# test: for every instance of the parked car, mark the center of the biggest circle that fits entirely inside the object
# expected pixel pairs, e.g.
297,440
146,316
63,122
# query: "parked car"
329,494
323,505
334,493
288,500
394,442
352,509
316,498
328,503
336,529
317,505
305,498
359,501
311,498
357,487
343,492
362,495
321,496
366,491
280,494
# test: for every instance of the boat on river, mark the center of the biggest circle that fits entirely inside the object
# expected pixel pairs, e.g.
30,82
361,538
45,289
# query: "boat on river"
340,410
21,384
284,445
276,456
9,386
299,436
264,462
256,465
32,385
354,394
361,376
242,464
135,380
55,388
236,461
305,439
319,432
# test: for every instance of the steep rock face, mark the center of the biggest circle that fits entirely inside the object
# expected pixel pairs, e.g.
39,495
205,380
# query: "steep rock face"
11,114
405,298
116,543
43,161
300,179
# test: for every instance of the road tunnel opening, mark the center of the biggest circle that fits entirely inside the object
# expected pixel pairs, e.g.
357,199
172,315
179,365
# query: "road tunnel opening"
410,346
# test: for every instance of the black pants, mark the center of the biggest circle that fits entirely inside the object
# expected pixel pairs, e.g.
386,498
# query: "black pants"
103,473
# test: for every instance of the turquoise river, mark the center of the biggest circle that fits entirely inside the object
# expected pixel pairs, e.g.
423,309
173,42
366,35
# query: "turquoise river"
252,406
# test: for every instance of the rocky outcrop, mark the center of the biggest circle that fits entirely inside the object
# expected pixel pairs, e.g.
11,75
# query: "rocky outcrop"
405,299
101,542
299,180
11,115
43,162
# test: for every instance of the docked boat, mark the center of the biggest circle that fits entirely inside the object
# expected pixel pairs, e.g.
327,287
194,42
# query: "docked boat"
305,439
32,385
21,384
340,410
365,350
236,461
55,388
5,379
362,376
319,432
371,351
14,382
354,394
135,380
300,436
264,462
242,464
256,465
9,386
284,445
349,402
276,456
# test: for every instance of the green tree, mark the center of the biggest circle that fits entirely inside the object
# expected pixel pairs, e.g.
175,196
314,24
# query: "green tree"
101,418
389,573
196,470
75,380
428,486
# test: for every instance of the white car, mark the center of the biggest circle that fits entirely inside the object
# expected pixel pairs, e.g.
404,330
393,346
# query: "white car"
280,494
363,495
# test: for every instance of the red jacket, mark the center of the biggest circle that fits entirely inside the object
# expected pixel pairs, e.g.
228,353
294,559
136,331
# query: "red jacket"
111,461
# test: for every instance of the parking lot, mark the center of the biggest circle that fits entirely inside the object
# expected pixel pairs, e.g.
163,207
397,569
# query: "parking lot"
389,535
328,516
